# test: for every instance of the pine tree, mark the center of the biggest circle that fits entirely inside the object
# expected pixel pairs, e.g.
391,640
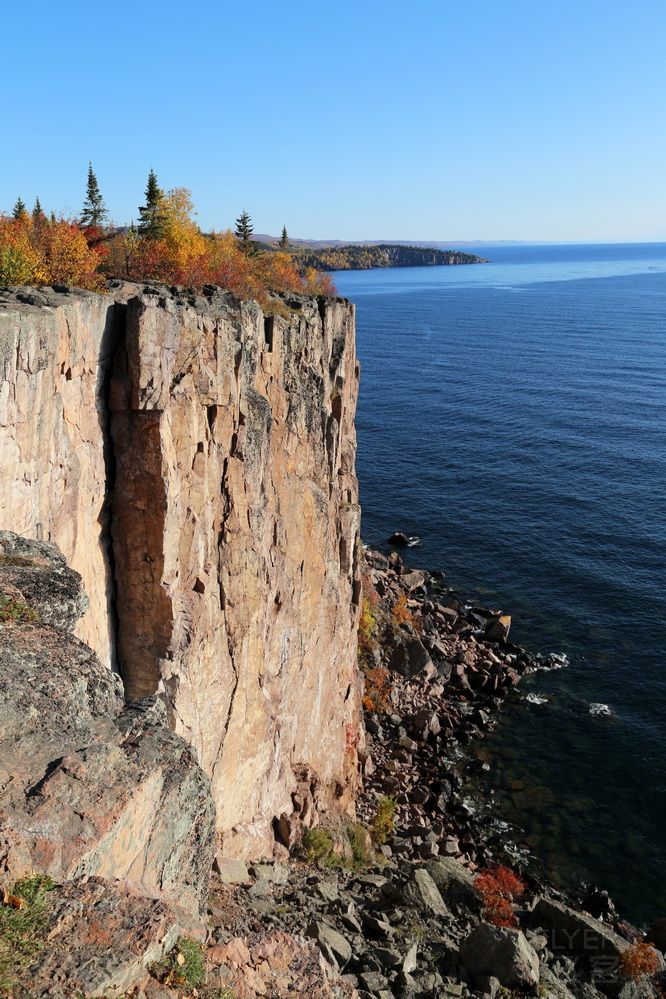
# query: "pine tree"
244,230
37,213
153,214
284,238
94,210
19,212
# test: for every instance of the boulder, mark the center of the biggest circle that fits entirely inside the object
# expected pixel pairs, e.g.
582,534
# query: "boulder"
413,580
410,959
88,784
102,936
502,953
231,871
277,874
576,932
423,894
398,538
454,881
497,629
409,657
332,944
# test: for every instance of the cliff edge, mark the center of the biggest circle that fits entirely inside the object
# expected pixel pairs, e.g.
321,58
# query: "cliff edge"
193,459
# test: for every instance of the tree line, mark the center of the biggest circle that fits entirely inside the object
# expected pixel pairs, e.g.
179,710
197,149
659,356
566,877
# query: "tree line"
165,245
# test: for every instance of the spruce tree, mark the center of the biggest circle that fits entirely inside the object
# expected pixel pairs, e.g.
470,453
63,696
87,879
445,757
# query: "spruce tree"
153,215
284,238
19,211
94,210
37,213
244,230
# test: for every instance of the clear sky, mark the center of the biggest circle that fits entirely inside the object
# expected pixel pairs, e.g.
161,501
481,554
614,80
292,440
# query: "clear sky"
418,119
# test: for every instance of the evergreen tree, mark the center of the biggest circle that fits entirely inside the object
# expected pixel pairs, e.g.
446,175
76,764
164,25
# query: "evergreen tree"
153,215
19,211
37,213
244,230
284,238
94,210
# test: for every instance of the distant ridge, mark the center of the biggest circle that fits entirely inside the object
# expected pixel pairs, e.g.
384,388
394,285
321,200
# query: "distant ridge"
421,243
365,256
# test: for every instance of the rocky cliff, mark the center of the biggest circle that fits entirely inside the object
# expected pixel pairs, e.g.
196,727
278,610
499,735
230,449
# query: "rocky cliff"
193,459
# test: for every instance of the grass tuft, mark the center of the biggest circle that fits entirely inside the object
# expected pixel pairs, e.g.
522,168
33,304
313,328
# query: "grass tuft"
12,609
184,966
15,560
383,824
23,930
320,847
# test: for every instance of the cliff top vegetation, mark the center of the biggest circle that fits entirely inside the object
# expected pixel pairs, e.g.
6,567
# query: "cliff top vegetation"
167,245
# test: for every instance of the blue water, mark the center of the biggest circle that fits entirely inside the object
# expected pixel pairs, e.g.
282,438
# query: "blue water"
513,414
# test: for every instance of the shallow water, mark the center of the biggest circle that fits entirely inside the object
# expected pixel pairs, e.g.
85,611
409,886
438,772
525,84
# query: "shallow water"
513,414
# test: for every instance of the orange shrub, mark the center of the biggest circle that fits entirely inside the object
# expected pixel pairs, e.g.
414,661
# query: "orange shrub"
401,614
639,960
367,642
498,887
46,252
66,254
377,693
20,261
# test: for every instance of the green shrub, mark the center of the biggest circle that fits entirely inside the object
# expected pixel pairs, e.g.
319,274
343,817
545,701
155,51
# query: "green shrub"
317,844
12,609
15,560
184,966
358,840
383,823
22,930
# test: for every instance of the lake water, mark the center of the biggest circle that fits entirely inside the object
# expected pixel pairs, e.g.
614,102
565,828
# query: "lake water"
513,415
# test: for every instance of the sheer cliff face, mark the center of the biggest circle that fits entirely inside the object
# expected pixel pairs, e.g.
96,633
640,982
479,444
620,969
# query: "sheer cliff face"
194,460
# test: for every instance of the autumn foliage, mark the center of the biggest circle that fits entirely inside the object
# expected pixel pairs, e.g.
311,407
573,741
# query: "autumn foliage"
401,614
639,960
34,250
377,690
499,887
47,251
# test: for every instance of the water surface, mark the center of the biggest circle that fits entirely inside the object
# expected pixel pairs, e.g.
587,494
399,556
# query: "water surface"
513,414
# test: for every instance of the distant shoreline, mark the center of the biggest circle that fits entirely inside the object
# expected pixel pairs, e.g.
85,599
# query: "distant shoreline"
358,257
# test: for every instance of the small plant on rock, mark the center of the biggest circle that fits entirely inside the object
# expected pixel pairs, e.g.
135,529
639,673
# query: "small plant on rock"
15,559
499,887
383,823
638,961
13,609
317,844
377,693
184,966
359,840
350,847
367,625
401,614
23,926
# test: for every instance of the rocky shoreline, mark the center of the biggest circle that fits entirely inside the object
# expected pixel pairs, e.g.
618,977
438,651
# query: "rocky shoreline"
394,909
449,665
413,898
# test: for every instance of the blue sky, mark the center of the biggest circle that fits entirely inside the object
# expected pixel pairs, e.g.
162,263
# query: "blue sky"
493,119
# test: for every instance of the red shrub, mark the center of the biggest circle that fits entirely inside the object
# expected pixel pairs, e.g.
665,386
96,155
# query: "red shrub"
639,960
499,887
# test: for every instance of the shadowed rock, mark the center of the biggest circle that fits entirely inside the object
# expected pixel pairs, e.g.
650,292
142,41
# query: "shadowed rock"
88,784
